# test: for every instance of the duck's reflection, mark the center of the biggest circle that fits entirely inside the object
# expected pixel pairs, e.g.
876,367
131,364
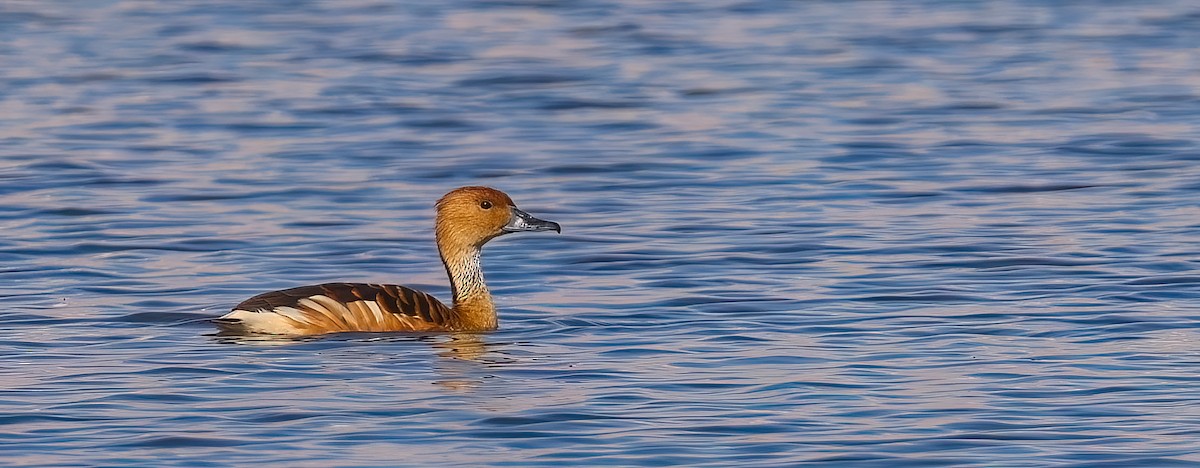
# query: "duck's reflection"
461,357
465,346
226,338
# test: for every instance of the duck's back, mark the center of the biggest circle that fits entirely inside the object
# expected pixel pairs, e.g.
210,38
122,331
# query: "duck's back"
338,307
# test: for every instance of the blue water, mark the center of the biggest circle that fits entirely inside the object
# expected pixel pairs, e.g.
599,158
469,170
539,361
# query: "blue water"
905,233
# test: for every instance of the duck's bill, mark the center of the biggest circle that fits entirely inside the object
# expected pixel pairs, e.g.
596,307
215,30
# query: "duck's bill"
522,221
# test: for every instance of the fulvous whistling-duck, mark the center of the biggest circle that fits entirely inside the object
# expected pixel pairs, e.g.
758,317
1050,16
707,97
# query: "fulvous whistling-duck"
466,219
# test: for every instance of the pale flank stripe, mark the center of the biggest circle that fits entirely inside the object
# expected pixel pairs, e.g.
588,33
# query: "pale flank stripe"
378,312
362,316
291,313
322,316
354,318
337,310
259,322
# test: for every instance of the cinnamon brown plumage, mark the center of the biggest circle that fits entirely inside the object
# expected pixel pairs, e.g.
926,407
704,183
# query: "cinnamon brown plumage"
467,218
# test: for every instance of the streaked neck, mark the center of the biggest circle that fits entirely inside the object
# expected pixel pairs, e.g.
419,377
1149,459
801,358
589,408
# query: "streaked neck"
473,305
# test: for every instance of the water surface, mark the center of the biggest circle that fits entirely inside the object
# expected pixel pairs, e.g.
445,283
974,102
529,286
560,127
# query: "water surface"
852,233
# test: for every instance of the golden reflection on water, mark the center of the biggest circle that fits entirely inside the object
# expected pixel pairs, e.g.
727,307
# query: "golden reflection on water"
461,346
460,358
460,355
466,346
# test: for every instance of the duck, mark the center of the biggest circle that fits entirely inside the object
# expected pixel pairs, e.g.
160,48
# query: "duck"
466,219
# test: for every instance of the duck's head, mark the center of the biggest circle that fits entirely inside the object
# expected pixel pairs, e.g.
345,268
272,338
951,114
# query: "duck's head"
471,216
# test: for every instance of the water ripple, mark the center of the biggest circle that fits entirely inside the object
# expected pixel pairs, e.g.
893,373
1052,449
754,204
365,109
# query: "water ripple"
864,234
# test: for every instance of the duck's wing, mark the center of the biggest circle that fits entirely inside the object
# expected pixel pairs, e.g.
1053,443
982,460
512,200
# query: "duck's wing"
337,307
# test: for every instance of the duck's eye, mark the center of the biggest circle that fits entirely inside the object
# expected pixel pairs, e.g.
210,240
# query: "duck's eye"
485,204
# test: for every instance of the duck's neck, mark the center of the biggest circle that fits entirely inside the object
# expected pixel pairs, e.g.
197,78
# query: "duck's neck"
473,308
